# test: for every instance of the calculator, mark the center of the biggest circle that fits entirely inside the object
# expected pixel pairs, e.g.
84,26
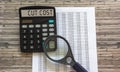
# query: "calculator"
36,24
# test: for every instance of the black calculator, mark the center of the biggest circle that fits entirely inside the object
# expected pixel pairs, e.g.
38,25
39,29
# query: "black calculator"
36,24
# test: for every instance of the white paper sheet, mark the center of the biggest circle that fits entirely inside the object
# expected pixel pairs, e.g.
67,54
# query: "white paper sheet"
77,25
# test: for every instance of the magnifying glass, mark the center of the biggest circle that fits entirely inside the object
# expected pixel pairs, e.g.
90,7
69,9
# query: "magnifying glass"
57,49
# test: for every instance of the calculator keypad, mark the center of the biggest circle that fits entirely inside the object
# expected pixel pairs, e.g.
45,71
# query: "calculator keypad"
33,36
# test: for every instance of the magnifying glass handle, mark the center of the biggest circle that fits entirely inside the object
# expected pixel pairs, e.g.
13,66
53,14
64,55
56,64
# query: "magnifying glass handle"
79,68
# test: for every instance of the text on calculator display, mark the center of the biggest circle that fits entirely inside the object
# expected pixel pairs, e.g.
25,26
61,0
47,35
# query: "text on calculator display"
37,12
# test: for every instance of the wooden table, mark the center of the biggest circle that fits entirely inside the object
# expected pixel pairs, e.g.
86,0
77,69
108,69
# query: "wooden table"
107,26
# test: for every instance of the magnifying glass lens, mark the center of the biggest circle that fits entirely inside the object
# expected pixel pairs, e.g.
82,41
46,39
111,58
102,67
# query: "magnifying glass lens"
56,48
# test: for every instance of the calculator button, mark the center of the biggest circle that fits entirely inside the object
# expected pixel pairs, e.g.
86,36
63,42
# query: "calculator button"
51,29
37,26
52,44
31,41
51,25
38,36
31,47
24,31
44,38
44,25
24,36
38,30
44,30
44,34
31,26
51,21
24,26
24,47
51,33
38,41
31,31
31,36
24,42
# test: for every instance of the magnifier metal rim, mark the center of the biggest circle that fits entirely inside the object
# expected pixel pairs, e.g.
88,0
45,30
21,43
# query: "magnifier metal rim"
46,42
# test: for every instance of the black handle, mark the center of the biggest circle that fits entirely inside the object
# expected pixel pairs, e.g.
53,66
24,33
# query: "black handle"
79,68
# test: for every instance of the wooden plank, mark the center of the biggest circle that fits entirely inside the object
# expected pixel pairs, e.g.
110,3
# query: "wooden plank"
25,69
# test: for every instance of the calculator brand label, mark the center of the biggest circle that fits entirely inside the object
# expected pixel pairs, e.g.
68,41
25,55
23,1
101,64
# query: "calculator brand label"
37,12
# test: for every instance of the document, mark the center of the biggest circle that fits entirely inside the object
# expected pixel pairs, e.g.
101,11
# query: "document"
77,25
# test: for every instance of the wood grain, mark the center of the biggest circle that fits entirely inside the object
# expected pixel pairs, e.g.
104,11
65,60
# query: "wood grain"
107,26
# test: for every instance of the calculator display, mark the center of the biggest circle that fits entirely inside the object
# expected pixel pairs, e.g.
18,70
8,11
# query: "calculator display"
37,13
